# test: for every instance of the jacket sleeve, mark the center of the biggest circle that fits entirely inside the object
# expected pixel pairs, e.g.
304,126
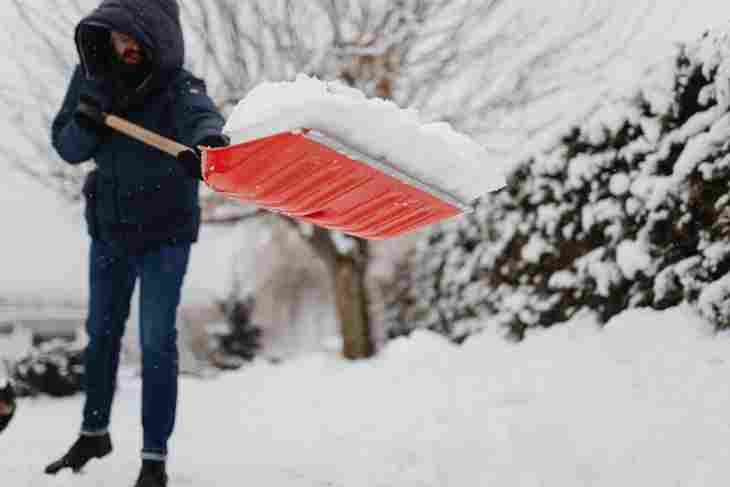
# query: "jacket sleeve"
196,116
73,144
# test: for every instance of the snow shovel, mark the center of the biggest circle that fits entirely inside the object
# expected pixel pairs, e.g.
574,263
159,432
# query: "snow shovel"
315,178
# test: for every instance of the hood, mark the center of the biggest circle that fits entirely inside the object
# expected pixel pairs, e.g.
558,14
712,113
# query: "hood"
155,24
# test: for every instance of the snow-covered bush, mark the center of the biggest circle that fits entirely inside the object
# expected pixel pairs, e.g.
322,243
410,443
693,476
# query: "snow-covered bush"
631,208
54,368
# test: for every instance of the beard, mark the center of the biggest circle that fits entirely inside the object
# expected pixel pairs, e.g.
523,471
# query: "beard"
131,75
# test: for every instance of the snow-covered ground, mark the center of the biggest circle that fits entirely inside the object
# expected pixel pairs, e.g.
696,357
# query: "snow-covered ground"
643,402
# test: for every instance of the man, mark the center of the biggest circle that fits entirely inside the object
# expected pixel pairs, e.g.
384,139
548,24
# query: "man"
142,208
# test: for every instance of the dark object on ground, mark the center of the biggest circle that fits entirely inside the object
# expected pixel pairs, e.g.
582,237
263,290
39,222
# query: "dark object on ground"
84,449
242,341
8,405
54,368
152,474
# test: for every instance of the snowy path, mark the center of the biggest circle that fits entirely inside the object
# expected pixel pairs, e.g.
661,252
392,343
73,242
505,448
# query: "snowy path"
643,403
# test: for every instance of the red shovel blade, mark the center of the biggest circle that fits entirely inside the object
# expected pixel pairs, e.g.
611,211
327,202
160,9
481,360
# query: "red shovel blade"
307,179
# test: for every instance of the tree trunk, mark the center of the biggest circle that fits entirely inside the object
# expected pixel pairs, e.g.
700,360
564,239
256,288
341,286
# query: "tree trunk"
352,308
348,282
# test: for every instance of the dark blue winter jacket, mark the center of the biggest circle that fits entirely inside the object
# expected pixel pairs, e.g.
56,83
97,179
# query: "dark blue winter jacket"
139,196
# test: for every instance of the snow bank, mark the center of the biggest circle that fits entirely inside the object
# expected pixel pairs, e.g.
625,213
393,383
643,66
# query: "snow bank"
432,152
642,402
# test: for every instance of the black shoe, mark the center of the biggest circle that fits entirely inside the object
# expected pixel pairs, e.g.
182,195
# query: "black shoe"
83,450
152,474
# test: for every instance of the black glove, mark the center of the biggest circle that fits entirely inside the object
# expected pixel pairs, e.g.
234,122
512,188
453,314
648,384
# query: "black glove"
214,141
93,103
190,160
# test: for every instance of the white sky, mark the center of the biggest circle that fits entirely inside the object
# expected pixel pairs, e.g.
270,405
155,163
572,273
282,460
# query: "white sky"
697,16
692,16
673,19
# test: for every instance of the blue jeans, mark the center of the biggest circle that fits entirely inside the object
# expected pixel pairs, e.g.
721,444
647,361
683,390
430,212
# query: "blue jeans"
112,276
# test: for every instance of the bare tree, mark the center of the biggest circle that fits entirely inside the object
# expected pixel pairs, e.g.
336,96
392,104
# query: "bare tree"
470,62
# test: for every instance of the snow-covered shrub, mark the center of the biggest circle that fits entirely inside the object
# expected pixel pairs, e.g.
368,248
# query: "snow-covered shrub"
54,368
631,208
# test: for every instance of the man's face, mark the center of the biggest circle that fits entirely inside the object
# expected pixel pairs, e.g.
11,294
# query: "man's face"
128,50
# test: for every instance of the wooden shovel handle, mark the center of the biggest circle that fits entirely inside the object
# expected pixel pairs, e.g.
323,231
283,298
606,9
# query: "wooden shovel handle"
145,136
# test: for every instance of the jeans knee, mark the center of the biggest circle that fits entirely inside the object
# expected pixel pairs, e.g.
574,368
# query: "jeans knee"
105,327
159,343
